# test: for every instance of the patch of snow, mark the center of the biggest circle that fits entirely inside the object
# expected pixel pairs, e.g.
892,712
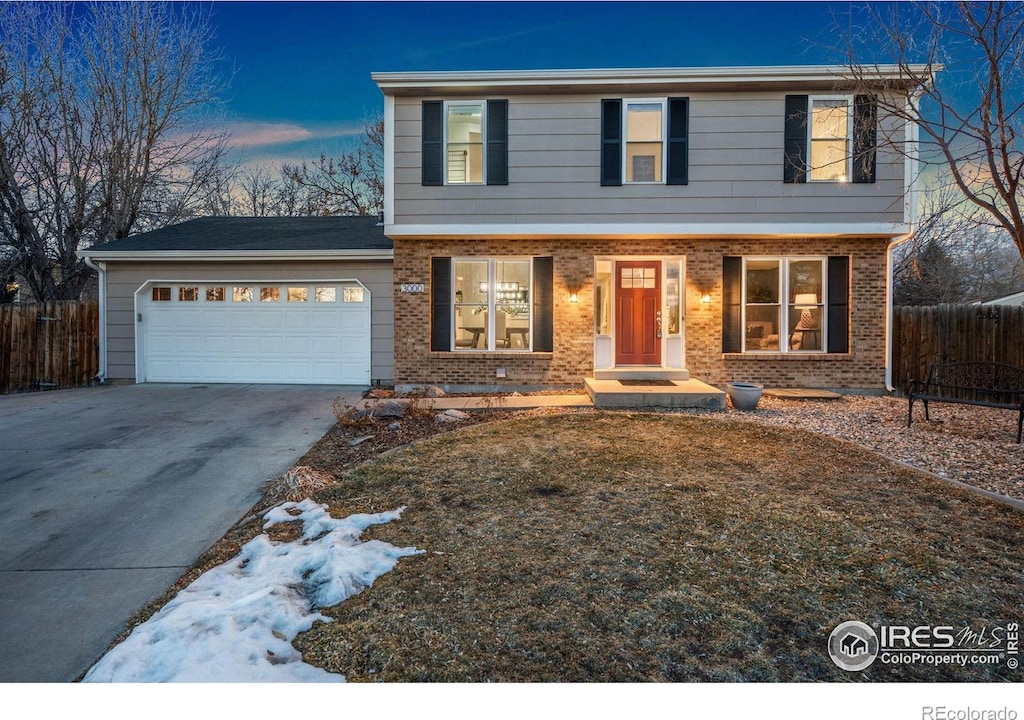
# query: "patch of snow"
236,622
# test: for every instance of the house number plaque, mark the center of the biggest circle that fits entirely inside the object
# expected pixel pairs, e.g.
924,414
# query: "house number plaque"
411,287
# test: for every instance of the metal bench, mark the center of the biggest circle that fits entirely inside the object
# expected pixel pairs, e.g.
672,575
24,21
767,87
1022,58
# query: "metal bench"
986,384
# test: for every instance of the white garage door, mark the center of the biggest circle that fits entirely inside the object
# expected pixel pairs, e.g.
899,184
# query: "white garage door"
316,333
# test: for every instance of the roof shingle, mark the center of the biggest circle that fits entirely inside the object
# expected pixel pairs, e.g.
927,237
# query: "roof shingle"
248,234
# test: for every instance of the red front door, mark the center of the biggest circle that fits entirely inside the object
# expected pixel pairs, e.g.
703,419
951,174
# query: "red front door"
638,313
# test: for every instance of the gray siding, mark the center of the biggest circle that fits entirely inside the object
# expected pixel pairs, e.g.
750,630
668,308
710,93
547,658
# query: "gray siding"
124,278
735,168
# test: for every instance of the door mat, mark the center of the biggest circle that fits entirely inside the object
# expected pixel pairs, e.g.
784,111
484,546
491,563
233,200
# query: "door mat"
647,383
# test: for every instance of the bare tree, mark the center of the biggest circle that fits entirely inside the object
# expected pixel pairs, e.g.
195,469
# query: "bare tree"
259,192
293,198
969,115
100,132
952,258
352,183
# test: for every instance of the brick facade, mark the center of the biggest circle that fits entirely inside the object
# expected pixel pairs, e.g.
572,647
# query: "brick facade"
863,368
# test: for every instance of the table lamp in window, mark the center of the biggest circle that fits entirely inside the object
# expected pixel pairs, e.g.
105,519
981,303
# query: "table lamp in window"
806,302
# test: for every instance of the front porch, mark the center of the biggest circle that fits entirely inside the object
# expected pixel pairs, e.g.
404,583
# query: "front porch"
651,387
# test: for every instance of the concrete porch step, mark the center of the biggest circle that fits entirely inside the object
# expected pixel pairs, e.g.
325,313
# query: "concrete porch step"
642,373
681,394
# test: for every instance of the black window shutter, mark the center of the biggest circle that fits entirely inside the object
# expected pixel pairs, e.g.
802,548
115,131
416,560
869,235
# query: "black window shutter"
678,140
497,142
865,125
440,304
839,304
611,142
795,160
732,304
543,304
432,155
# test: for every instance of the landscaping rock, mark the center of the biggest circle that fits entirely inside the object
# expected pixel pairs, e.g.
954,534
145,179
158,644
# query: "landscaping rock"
395,426
389,409
443,418
457,414
434,392
359,440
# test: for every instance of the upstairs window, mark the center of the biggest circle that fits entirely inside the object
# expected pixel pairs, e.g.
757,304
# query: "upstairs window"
645,149
645,141
464,142
831,128
830,139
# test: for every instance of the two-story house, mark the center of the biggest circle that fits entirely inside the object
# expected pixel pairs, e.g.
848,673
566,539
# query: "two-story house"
544,227
725,223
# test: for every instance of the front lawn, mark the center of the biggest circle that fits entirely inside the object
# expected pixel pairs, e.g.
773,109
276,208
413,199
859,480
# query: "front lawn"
657,547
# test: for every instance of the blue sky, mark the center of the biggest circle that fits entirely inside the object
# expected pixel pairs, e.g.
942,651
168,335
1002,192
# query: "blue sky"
301,81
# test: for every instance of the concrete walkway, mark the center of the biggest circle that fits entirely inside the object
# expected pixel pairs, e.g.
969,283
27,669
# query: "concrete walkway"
503,402
111,492
506,402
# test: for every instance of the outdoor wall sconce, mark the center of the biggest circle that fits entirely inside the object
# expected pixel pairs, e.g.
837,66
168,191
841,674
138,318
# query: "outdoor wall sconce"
705,298
574,297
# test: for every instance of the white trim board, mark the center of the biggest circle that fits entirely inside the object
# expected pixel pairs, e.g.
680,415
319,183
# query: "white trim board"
615,231
236,255
790,75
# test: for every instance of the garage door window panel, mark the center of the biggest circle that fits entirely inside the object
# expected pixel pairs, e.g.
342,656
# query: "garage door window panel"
326,294
270,294
241,294
298,294
161,294
214,294
188,293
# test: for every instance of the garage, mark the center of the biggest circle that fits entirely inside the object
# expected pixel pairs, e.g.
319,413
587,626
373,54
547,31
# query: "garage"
249,300
287,332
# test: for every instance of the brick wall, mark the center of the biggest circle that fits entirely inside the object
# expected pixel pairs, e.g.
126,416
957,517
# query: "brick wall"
573,358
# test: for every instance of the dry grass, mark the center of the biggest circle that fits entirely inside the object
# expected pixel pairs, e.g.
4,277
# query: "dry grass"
295,485
634,547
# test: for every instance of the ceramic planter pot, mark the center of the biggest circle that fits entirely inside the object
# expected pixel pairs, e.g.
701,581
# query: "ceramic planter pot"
744,395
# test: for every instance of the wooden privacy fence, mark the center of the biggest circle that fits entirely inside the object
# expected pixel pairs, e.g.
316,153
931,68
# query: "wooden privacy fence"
954,333
48,345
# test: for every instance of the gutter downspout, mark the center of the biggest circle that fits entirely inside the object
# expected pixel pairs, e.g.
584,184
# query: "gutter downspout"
888,306
101,270
910,210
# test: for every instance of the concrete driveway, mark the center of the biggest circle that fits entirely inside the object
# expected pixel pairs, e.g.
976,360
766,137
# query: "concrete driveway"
109,493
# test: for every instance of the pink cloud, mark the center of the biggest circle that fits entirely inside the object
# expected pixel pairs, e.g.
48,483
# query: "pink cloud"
249,134
255,134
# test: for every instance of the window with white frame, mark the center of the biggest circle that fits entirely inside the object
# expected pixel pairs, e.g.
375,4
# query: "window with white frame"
644,151
783,304
830,133
464,142
491,304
